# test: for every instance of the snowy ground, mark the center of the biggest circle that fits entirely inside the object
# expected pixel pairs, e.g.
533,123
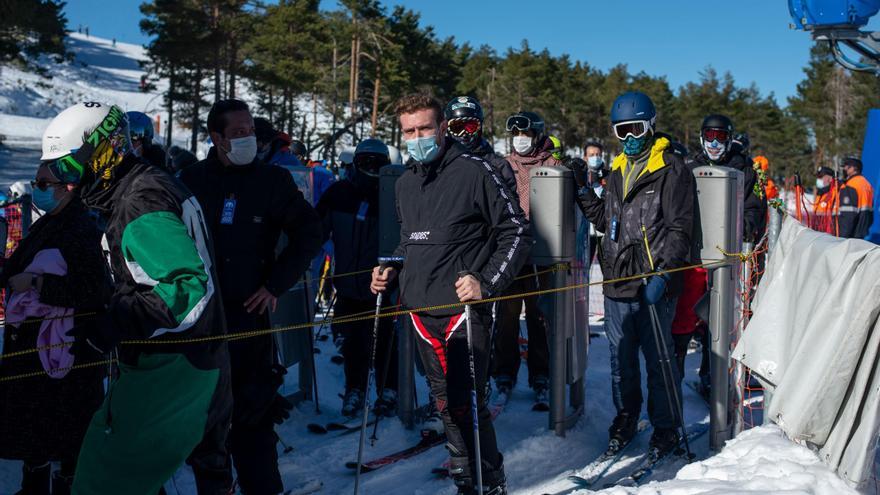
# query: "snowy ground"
759,461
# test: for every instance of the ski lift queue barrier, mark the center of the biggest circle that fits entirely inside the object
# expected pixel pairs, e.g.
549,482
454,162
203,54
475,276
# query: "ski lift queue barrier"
348,318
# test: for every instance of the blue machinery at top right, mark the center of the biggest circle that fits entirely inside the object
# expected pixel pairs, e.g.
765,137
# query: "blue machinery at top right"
838,22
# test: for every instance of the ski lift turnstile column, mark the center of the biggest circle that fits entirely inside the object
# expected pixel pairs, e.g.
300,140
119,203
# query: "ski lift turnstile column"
553,226
720,197
389,238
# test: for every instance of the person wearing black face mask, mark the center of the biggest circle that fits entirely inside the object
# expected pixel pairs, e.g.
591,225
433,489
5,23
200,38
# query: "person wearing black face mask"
349,211
247,205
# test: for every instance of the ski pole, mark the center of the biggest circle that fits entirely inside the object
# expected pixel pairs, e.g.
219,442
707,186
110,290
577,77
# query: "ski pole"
385,368
314,370
326,315
383,265
474,415
675,404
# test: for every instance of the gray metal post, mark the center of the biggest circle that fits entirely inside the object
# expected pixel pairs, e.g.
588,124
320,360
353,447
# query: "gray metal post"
774,225
389,238
739,371
405,373
720,194
553,227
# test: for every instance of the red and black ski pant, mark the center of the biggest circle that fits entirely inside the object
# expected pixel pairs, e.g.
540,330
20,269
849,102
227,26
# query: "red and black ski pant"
442,345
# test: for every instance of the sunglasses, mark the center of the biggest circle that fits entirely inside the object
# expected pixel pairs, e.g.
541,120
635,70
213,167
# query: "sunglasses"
44,184
634,128
464,126
720,135
519,123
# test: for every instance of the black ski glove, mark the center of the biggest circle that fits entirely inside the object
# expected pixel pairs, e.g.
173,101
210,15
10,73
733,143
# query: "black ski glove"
579,167
279,410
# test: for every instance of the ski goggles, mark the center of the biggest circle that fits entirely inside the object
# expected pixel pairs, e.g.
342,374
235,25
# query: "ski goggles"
464,126
634,128
720,135
521,123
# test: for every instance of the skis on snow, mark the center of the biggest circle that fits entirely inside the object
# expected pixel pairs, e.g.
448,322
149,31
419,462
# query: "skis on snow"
595,470
651,462
344,428
425,444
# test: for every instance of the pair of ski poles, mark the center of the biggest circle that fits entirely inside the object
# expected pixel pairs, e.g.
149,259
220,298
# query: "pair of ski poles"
383,265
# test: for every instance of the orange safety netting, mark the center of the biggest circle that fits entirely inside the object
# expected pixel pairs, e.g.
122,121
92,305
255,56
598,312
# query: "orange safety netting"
12,213
750,392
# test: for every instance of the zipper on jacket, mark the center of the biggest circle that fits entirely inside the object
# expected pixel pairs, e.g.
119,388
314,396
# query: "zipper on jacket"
647,247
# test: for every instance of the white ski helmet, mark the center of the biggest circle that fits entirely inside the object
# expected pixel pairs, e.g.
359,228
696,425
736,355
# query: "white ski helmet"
394,155
88,135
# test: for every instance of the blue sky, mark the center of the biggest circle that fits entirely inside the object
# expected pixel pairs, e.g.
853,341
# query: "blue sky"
673,38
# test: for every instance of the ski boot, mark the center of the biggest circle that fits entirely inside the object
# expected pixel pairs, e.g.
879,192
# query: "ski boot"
503,388
432,426
352,403
35,479
462,473
541,386
664,441
622,430
386,405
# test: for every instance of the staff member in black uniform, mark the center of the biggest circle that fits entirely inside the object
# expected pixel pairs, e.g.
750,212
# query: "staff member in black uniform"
247,205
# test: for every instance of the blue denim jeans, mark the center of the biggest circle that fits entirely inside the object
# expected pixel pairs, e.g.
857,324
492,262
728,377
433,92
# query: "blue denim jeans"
628,327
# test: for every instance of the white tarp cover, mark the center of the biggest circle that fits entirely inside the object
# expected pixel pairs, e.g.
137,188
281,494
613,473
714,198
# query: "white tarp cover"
814,339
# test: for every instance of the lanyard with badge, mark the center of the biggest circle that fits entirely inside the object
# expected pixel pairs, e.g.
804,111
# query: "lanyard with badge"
228,210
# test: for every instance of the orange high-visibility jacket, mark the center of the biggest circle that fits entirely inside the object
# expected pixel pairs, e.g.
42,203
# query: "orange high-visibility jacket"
856,207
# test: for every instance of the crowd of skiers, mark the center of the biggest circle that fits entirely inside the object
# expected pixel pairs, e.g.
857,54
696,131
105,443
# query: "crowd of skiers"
193,250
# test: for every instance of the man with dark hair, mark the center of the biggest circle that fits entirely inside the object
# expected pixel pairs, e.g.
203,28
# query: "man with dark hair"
273,147
856,201
248,205
450,203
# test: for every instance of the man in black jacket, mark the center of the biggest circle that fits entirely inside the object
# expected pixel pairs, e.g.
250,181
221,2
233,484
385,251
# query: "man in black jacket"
247,206
719,148
349,211
464,117
450,205
647,216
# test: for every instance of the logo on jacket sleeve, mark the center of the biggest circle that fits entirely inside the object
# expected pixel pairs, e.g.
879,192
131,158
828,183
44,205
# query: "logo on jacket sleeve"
419,236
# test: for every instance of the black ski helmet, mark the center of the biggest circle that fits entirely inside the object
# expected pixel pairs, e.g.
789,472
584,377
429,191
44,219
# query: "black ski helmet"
463,107
718,121
714,125
525,121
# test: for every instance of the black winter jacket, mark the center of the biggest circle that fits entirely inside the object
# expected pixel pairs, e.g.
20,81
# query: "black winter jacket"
501,165
649,229
754,207
163,266
259,202
350,215
456,215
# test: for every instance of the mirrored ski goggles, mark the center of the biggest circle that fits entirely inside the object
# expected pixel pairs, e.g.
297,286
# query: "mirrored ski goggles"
520,123
464,126
720,135
634,128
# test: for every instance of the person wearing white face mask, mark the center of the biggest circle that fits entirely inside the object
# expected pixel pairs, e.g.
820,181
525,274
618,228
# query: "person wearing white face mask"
462,238
247,205
531,148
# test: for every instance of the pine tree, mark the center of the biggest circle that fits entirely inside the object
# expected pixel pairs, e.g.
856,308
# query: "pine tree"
31,28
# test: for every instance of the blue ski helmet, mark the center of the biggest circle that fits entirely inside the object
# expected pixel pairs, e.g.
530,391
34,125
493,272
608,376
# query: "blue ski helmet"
633,106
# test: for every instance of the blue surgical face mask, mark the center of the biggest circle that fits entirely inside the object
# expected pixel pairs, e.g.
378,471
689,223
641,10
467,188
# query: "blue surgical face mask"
595,162
45,200
634,146
423,149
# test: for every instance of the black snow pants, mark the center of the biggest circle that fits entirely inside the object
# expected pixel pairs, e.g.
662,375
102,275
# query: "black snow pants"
442,345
